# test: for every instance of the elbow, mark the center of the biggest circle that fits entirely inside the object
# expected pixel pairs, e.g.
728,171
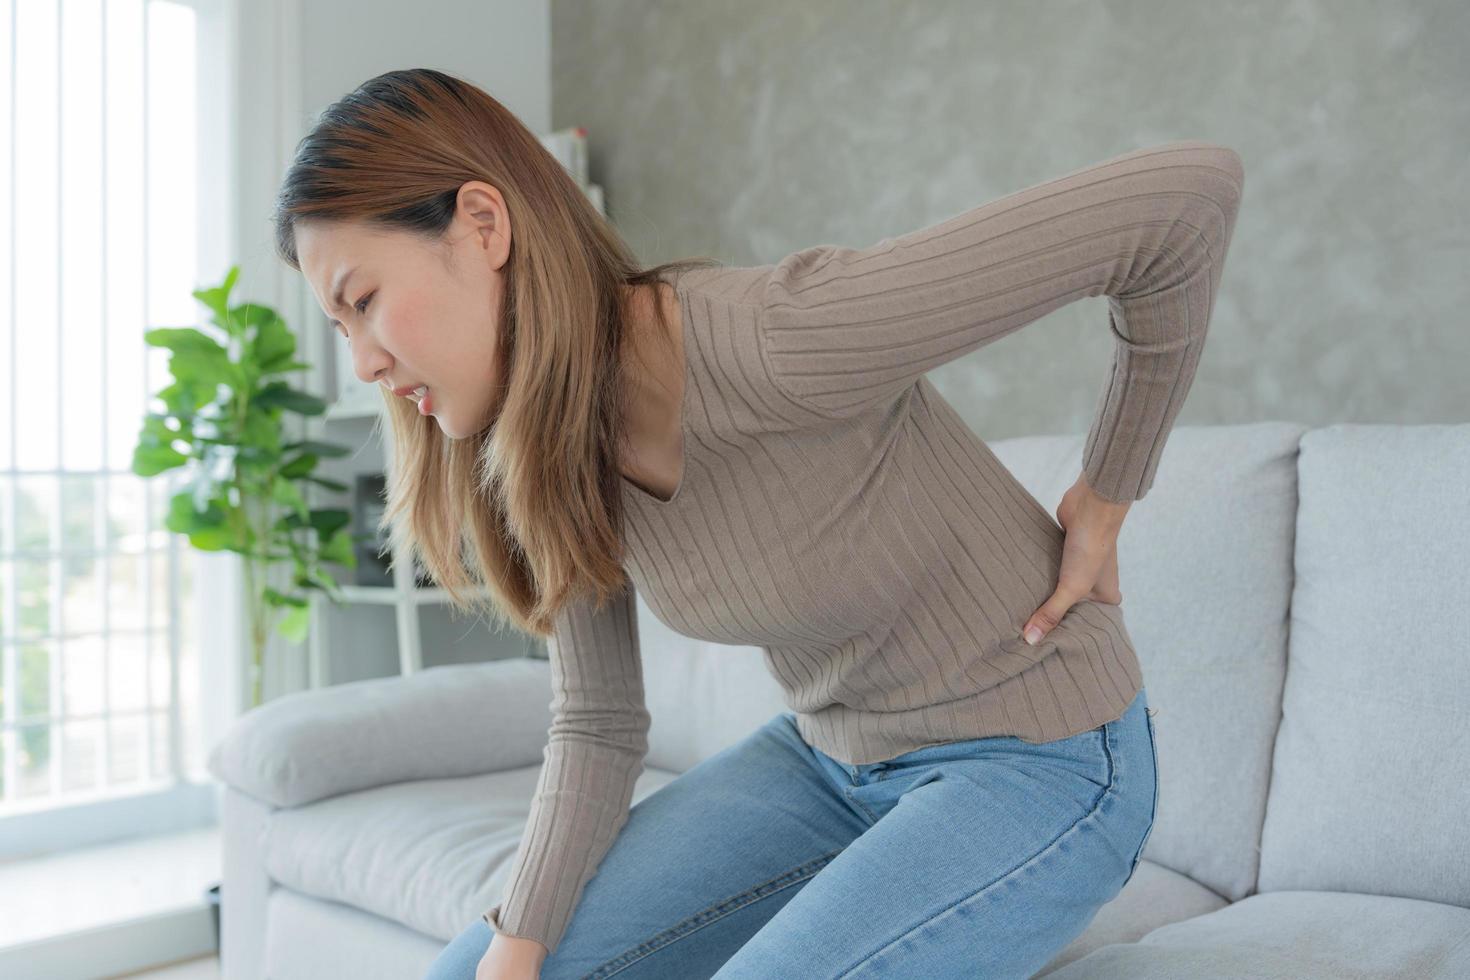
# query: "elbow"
1227,191
1232,164
1215,172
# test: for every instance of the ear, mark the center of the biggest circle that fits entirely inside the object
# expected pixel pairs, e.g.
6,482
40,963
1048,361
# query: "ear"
480,210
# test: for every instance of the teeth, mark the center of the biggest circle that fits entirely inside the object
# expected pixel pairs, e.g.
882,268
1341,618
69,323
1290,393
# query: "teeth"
421,390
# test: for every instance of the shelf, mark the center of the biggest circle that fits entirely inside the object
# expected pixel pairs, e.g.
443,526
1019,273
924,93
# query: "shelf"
388,595
344,409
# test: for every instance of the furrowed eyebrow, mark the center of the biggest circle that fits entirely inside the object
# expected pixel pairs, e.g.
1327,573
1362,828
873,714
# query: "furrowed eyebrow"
337,291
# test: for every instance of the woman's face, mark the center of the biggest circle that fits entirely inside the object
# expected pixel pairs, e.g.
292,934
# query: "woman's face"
410,320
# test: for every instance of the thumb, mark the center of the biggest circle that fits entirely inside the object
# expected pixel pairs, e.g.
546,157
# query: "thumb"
1045,619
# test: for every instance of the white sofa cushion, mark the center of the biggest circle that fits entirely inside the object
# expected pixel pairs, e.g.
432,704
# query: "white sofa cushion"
1295,936
307,939
431,854
703,697
1371,782
452,720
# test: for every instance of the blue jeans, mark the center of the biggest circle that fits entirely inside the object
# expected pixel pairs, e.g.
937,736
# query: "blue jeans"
975,858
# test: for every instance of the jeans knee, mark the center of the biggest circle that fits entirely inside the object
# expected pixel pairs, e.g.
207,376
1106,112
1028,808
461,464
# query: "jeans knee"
461,958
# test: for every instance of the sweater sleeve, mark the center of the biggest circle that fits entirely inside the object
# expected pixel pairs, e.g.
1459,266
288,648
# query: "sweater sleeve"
845,328
593,756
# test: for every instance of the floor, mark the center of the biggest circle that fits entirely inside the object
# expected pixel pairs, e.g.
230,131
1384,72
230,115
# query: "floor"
94,887
88,886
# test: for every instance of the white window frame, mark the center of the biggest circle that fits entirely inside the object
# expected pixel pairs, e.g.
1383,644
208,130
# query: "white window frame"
192,799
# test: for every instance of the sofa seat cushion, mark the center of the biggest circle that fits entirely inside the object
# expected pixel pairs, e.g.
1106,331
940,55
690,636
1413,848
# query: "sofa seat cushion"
1154,897
309,939
1295,936
431,854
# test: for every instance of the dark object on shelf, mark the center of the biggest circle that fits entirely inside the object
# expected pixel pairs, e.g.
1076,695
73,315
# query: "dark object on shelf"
369,500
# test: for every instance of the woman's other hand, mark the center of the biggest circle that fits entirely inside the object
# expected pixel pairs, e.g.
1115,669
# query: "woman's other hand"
511,958
1089,557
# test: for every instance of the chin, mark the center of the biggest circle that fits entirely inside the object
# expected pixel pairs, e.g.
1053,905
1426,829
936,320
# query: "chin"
450,428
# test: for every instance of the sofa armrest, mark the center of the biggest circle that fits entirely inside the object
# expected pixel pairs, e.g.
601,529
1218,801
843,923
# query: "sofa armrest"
454,720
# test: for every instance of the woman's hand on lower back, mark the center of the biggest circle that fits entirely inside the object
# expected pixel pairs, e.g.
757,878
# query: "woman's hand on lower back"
1089,556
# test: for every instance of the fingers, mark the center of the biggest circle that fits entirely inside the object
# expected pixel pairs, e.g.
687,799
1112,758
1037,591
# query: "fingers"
1045,619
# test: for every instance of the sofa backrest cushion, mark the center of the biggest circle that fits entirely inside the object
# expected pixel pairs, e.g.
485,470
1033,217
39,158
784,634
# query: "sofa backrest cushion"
1371,782
702,696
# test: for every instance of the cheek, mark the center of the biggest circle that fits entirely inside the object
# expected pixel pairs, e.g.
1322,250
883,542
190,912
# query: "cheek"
474,341
407,333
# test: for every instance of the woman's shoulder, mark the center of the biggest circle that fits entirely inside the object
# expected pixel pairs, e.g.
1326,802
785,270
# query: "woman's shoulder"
737,284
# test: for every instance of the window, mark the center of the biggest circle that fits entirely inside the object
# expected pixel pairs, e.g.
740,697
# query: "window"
99,174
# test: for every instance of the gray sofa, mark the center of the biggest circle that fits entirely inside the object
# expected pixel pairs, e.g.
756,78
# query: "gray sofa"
1300,601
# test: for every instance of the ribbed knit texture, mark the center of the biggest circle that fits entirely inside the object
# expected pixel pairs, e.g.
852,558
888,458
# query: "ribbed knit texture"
837,512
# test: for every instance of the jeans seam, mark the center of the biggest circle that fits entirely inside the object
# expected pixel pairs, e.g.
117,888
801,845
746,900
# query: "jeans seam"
1089,815
1154,806
860,804
704,917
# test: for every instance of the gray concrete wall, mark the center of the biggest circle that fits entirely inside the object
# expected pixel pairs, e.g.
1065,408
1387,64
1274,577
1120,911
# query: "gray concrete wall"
749,130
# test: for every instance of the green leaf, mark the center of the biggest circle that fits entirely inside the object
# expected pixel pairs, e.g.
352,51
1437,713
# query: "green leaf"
295,625
278,598
255,315
284,492
184,339
283,368
261,430
155,451
152,460
278,394
217,298
329,484
213,539
317,447
299,466
184,398
339,549
208,529
274,343
326,521
329,520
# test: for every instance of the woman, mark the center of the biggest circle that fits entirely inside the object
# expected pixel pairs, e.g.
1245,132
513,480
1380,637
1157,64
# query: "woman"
756,451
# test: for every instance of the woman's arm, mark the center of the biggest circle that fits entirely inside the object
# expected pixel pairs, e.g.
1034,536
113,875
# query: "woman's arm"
844,329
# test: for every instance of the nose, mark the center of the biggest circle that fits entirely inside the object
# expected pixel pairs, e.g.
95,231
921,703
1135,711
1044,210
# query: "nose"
370,362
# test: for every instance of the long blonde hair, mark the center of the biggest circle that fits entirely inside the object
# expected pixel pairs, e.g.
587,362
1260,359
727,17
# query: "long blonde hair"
527,513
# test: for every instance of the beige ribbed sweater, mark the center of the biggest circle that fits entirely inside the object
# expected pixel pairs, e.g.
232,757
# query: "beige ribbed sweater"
837,512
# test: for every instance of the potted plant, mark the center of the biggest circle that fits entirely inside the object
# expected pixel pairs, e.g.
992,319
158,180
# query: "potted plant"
223,419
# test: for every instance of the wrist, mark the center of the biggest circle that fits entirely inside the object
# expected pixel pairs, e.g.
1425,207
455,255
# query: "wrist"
521,950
